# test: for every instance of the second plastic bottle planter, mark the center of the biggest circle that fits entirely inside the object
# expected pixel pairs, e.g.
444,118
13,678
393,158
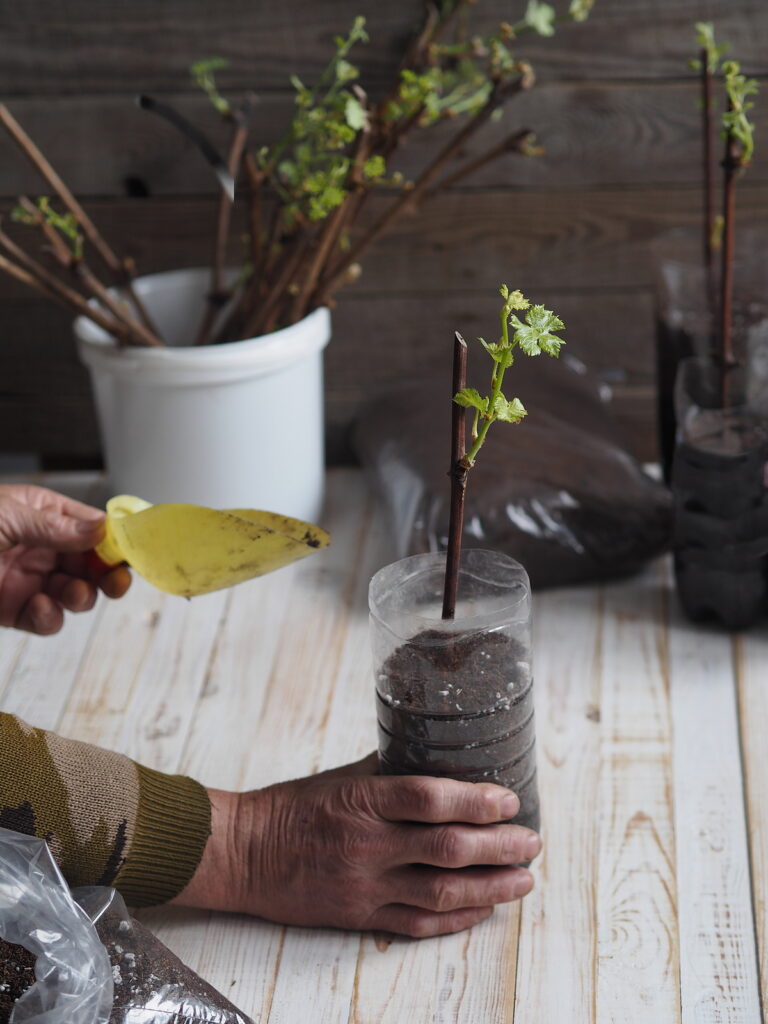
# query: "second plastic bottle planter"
455,697
721,501
686,321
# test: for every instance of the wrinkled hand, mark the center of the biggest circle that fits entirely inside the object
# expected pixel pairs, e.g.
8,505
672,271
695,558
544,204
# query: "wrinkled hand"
351,849
43,568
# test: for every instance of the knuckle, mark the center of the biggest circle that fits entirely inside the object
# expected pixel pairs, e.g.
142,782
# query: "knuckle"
452,847
354,845
512,843
424,795
420,926
503,890
445,893
486,797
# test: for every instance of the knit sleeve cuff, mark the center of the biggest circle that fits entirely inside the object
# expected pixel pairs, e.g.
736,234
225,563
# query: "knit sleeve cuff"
173,824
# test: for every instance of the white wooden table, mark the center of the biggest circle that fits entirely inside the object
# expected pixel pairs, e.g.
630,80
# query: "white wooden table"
650,903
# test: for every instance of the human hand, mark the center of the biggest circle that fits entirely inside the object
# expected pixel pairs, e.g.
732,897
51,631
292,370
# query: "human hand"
44,570
415,855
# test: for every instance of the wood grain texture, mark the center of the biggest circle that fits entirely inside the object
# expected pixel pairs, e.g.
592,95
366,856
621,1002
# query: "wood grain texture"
751,652
643,910
718,964
638,969
586,252
51,409
614,105
460,978
49,46
273,673
559,922
570,239
150,696
593,133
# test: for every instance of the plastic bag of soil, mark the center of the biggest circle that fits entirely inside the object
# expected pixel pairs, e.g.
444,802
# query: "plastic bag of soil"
559,493
79,958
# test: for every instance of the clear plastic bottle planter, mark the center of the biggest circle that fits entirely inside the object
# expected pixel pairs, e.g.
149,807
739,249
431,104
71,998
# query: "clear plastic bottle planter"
685,326
455,697
721,502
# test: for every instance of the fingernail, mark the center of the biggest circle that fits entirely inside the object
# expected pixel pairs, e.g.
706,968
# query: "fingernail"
509,806
87,526
524,883
43,622
532,846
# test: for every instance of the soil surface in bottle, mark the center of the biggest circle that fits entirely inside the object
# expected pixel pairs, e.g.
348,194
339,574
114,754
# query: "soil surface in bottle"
461,708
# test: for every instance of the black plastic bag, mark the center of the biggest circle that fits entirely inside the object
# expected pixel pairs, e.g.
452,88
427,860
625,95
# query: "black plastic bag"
559,492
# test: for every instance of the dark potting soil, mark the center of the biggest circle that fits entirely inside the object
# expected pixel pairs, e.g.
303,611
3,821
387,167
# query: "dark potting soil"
461,709
718,433
147,974
149,981
17,974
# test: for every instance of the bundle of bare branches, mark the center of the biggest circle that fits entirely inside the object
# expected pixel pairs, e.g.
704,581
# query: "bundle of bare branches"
305,193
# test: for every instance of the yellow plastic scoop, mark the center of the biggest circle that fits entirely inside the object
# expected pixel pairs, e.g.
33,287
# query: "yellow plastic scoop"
189,550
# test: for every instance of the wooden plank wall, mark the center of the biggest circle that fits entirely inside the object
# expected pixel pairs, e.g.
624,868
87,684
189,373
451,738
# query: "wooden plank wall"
614,106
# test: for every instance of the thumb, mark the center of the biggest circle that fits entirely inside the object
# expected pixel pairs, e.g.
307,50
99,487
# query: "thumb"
21,524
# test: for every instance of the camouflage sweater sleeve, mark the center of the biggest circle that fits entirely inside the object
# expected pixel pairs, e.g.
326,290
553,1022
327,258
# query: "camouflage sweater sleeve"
107,820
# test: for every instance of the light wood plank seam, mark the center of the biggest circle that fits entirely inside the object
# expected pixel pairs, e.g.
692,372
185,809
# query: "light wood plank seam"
738,677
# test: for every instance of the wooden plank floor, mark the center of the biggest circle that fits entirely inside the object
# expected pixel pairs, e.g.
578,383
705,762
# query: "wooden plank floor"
651,904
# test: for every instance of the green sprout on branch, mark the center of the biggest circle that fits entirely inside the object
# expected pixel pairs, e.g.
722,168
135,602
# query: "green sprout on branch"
735,122
204,76
711,51
532,335
539,17
306,191
64,223
579,9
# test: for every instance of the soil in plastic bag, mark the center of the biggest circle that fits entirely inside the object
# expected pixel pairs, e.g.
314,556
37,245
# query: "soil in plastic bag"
558,492
152,986
17,973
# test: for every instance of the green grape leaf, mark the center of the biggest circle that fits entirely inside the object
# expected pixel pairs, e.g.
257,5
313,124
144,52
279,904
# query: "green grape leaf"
535,335
374,167
21,216
355,113
508,412
705,38
540,17
346,72
204,76
579,9
492,348
735,121
469,397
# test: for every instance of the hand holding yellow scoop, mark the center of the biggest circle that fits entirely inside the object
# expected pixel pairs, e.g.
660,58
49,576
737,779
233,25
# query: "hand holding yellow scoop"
189,550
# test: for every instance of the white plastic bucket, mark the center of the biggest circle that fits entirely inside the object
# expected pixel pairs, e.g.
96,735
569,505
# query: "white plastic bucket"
238,425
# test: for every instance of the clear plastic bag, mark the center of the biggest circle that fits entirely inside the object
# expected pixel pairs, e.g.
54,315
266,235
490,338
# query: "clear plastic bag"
37,911
152,986
95,963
